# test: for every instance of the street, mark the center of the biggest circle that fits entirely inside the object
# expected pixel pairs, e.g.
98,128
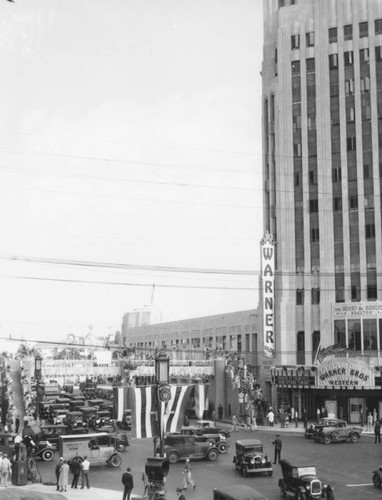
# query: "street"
347,467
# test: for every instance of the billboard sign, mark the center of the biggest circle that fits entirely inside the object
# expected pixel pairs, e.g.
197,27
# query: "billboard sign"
267,280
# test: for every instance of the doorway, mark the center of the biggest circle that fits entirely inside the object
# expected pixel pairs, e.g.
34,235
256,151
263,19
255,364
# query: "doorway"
357,406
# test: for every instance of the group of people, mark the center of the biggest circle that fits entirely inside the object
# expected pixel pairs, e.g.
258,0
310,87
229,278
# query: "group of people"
77,468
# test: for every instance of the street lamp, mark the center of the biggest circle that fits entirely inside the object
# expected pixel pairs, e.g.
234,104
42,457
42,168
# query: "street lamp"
162,378
37,375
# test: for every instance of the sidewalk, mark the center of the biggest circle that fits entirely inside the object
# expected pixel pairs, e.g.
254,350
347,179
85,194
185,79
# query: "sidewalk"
38,491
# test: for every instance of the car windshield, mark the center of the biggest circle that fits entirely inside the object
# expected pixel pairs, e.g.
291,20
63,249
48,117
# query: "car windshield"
253,449
306,471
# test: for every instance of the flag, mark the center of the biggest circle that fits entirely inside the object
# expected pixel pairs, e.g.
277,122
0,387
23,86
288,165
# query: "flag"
145,406
201,399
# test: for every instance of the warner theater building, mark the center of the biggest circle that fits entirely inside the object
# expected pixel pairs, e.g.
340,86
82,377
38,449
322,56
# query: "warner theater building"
321,300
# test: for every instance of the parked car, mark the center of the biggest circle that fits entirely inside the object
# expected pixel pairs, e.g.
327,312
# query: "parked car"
180,446
237,492
209,426
311,431
377,477
250,458
338,430
219,440
121,441
76,446
126,421
76,422
300,479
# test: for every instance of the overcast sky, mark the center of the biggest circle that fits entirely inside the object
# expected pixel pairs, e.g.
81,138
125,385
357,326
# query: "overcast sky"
130,133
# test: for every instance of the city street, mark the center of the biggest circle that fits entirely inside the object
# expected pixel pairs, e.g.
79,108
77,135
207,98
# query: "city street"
345,466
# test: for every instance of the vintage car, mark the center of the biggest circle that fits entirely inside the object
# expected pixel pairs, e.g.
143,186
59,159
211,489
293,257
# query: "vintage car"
377,477
121,440
237,492
250,458
311,431
300,479
126,421
76,421
219,440
337,430
209,426
99,448
179,447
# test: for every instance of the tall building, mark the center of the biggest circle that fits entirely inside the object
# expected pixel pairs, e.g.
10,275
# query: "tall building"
322,133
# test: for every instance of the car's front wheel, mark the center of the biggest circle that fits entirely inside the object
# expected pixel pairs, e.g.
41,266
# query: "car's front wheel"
223,447
212,455
327,439
47,455
116,461
354,438
173,457
377,481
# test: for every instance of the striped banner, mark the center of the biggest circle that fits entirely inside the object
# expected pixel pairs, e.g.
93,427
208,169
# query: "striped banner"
144,406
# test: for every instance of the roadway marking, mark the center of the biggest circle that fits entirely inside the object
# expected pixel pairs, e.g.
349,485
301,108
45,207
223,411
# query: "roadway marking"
355,485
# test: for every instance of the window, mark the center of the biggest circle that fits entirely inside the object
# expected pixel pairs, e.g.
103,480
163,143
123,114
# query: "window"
299,296
310,65
315,296
333,61
370,230
366,112
296,67
378,53
296,123
364,55
336,174
315,234
348,58
309,39
296,179
300,348
348,32
365,84
354,332
313,206
350,114
340,332
366,171
363,29
312,177
337,204
353,202
349,86
378,26
316,337
351,143
371,292
296,150
311,122
369,334
332,35
295,40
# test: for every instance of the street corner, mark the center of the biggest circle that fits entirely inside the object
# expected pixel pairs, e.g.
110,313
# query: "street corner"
29,493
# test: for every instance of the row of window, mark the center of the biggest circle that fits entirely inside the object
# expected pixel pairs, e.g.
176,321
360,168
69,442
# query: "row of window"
300,296
333,34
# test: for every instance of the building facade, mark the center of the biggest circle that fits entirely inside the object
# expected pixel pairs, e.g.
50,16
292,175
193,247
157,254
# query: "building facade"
322,139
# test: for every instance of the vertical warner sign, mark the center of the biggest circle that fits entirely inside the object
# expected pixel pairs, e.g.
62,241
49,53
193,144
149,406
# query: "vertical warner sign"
268,281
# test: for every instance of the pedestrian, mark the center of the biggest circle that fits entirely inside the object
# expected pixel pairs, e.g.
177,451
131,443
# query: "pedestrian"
188,475
375,416
234,424
57,471
63,478
85,473
369,422
179,492
282,417
6,469
271,417
17,424
318,415
248,423
296,418
128,484
220,411
75,469
305,418
377,431
361,417
278,444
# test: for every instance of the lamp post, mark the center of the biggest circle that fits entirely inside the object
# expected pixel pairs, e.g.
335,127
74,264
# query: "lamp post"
162,378
37,375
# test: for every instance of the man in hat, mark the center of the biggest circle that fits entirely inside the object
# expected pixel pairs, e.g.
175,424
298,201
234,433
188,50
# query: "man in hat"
128,483
278,444
57,471
188,475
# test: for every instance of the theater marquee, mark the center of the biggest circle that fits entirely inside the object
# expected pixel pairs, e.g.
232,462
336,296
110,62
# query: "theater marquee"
345,373
267,279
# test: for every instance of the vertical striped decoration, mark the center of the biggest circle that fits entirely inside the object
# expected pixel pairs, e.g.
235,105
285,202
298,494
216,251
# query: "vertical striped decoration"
201,402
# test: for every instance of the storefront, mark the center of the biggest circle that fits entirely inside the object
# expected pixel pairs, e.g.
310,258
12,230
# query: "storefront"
344,385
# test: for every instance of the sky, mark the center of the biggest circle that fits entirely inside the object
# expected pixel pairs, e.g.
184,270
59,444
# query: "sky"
130,136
